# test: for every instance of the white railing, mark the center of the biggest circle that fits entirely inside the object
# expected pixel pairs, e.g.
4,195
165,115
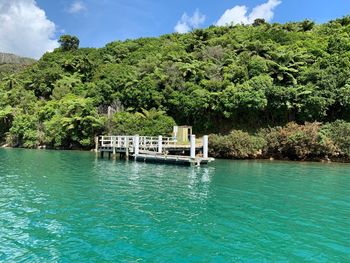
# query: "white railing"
145,142
116,141
136,144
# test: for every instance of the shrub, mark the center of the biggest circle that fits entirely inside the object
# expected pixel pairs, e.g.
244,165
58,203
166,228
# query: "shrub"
339,133
6,117
238,144
298,142
25,131
72,122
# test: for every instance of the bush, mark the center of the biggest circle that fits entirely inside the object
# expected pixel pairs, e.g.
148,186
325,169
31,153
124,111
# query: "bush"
72,122
238,145
25,131
339,133
6,117
298,142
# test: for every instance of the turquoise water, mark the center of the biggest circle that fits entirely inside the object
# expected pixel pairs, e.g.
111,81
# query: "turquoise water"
72,207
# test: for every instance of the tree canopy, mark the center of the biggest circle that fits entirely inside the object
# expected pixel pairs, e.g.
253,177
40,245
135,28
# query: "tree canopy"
216,79
69,42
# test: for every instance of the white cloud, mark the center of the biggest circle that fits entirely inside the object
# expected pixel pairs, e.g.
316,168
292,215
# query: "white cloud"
77,7
186,23
236,15
25,29
239,14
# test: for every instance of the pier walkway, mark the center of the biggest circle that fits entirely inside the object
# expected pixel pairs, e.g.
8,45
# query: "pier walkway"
155,149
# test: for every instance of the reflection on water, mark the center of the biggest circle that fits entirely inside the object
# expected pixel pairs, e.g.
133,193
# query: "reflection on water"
199,181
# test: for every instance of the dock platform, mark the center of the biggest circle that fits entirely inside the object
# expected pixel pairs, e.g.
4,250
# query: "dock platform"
159,149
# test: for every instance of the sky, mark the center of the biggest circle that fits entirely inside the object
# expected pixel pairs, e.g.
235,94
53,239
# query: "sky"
31,27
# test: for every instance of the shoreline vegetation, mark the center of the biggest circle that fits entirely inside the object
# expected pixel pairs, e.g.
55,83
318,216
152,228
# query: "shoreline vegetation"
308,142
279,91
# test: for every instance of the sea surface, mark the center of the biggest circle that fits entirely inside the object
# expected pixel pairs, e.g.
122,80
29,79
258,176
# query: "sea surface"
73,207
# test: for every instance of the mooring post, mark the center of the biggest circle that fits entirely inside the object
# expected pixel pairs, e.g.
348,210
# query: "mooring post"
136,145
160,144
205,146
193,146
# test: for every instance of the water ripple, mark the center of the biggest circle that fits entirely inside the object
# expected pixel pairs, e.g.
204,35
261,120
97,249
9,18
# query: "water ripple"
70,206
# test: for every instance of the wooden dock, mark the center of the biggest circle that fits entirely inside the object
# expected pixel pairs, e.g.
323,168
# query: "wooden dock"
155,149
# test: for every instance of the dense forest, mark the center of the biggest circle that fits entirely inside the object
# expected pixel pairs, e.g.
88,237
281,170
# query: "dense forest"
241,81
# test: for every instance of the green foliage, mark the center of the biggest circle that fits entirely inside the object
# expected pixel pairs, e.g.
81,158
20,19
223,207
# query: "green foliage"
6,117
145,123
25,131
215,79
339,133
69,43
238,145
311,141
298,142
71,122
67,85
259,22
10,64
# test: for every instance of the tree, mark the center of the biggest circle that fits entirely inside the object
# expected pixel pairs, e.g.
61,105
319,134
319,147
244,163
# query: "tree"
259,22
214,79
10,81
307,25
69,43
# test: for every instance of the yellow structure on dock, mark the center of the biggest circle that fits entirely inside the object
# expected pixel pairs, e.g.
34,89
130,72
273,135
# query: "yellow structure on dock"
155,149
182,134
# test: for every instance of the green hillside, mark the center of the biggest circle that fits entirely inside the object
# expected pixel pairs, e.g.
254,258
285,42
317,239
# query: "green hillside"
10,63
216,79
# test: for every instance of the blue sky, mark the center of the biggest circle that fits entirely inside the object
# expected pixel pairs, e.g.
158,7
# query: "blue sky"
106,20
97,22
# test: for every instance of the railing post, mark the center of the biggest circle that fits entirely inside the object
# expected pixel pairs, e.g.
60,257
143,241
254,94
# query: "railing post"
193,146
126,147
160,144
114,152
136,145
205,146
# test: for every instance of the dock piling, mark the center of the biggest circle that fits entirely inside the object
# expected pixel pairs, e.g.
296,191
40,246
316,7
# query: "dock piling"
136,145
114,154
193,146
126,148
205,146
